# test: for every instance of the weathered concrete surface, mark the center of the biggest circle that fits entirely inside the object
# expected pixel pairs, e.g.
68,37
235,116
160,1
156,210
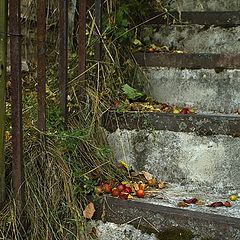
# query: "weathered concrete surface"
217,61
223,19
165,221
180,157
204,88
199,39
203,5
200,124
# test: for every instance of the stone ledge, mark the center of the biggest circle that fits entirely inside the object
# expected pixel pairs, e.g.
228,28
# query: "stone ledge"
225,18
189,60
208,225
199,124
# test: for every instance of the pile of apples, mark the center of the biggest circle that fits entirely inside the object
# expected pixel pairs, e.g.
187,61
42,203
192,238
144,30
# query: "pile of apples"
122,190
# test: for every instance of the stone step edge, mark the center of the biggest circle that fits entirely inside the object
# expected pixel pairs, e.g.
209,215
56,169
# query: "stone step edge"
216,61
127,211
218,18
200,124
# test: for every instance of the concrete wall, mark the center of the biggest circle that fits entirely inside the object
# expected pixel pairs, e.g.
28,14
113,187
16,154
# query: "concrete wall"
203,5
199,39
181,157
202,88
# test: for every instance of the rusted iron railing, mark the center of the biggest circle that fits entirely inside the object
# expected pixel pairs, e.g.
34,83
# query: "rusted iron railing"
82,44
15,74
98,29
41,64
16,96
63,56
3,63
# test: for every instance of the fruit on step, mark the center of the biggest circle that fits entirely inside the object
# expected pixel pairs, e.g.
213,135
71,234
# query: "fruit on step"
151,50
123,195
107,188
115,192
227,204
127,190
140,193
233,197
185,110
121,187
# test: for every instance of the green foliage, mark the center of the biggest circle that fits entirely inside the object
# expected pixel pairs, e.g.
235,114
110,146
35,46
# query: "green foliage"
131,93
126,16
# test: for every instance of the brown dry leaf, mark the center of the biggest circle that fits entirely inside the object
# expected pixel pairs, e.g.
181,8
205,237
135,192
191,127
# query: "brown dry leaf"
162,185
136,186
147,175
89,211
182,204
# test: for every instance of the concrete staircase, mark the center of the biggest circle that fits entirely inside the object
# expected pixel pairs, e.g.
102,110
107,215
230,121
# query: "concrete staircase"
197,154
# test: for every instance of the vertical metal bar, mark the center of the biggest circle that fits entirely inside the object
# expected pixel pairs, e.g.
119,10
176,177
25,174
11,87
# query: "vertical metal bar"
41,63
82,42
16,95
98,29
3,63
63,56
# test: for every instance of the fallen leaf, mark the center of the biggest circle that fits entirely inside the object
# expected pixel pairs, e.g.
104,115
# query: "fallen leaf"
89,211
135,186
190,201
216,204
162,185
182,204
123,165
147,175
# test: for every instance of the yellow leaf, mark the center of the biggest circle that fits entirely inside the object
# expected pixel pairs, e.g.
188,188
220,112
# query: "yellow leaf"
124,164
130,196
89,211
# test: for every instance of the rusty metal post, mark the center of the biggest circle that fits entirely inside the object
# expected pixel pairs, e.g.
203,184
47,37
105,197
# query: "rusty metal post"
98,30
63,56
3,63
41,63
82,44
16,95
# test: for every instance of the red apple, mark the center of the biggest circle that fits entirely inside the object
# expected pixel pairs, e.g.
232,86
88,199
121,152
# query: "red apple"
185,110
107,188
127,190
140,193
115,192
123,195
121,187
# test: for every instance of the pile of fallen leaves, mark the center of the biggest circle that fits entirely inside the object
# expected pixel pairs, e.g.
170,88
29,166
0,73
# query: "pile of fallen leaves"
200,202
132,100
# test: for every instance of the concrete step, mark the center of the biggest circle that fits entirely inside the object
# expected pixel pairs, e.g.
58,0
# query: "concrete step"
198,38
208,90
183,149
169,222
224,19
188,60
202,5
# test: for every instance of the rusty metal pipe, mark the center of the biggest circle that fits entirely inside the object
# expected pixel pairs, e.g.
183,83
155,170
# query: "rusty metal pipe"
41,63
63,56
16,96
98,30
82,44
